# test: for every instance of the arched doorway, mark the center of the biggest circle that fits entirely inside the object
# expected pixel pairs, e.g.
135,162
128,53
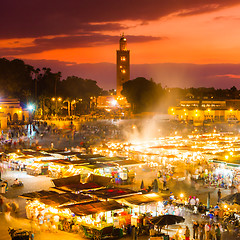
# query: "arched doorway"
15,117
9,117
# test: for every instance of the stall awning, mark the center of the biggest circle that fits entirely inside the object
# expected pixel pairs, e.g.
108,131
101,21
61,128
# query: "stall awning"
94,207
63,199
39,194
140,199
100,180
52,198
67,181
107,193
129,163
79,187
90,156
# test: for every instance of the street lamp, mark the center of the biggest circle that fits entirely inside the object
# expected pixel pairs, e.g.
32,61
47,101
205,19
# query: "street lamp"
30,108
59,99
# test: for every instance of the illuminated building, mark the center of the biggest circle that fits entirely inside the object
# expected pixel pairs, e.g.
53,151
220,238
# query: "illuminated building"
206,111
123,64
11,112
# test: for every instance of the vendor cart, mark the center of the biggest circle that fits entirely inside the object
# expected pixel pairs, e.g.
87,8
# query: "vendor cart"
97,233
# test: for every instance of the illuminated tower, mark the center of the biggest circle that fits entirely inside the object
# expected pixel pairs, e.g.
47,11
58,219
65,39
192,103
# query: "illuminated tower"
123,64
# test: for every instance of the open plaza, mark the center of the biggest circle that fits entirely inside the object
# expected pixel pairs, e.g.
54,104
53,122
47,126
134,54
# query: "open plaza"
129,183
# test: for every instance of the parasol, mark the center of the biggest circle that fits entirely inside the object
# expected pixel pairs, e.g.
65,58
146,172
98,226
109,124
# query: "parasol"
167,220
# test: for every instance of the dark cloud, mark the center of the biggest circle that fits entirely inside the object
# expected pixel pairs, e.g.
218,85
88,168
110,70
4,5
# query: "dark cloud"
85,40
28,18
168,74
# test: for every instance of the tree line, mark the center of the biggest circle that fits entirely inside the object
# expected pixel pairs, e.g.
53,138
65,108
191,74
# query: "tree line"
146,95
29,84
41,86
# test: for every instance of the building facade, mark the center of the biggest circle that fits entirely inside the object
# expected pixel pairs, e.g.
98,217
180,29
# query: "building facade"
207,111
123,64
11,112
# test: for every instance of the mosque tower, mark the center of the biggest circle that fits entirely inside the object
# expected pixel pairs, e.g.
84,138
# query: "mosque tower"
123,64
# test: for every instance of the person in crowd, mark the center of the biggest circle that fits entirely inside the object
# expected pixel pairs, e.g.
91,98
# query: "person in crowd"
16,181
1,203
219,193
207,230
201,232
195,230
218,232
187,233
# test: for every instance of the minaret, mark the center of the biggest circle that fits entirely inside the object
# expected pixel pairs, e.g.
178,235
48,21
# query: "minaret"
123,64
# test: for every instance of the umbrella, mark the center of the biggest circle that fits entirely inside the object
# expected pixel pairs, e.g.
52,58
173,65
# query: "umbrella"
142,185
232,198
167,220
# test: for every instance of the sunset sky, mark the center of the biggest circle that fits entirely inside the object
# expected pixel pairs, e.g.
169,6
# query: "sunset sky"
180,43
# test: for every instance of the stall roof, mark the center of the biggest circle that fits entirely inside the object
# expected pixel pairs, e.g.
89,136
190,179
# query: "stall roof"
35,153
110,159
53,150
90,156
100,180
67,181
39,194
140,199
68,162
94,207
66,198
112,192
79,187
130,163
99,165
68,153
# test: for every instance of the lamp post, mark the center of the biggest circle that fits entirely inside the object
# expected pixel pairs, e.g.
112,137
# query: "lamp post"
30,108
68,107
56,100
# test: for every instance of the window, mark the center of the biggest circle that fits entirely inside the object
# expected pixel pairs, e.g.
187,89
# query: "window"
123,58
123,71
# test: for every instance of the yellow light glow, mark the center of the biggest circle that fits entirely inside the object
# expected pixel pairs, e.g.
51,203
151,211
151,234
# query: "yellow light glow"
230,110
53,99
226,157
59,99
231,153
209,110
181,195
225,206
123,71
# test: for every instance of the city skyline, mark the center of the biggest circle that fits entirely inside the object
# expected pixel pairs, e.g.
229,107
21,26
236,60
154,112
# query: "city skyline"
180,44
